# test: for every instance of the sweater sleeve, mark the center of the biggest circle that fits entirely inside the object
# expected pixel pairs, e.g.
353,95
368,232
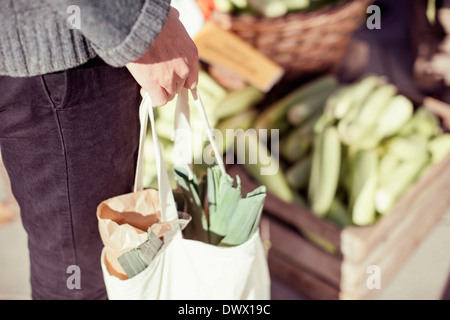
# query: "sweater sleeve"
119,31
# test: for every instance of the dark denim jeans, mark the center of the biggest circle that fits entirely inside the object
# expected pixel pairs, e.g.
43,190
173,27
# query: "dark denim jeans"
69,141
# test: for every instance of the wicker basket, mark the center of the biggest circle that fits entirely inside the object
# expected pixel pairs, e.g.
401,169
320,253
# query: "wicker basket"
304,43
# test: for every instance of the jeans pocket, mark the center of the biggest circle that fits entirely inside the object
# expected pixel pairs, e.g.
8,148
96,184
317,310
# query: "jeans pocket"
56,87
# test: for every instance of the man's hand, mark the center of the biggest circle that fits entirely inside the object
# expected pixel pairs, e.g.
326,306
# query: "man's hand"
170,63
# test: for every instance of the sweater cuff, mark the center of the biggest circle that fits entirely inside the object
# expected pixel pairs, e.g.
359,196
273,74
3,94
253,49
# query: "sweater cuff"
143,33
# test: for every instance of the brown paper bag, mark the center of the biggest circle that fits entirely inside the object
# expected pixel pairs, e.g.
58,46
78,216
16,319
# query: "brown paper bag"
124,221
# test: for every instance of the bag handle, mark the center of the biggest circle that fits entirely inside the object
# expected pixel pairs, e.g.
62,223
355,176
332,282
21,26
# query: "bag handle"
139,174
207,128
167,202
168,206
182,151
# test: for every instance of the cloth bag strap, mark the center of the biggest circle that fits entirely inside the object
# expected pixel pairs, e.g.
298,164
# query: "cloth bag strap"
168,206
182,151
183,146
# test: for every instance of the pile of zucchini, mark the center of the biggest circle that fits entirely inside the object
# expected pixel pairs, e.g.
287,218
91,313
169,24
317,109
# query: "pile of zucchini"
349,152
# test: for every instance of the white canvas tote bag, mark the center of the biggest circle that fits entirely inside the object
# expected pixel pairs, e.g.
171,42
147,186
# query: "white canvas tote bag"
186,269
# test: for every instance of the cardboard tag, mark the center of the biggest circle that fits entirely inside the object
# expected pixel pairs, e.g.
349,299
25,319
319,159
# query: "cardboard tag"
220,47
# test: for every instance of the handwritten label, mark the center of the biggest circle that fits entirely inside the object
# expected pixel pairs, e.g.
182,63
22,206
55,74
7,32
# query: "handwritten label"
220,47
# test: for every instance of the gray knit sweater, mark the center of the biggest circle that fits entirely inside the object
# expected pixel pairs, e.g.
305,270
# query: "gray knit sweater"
35,37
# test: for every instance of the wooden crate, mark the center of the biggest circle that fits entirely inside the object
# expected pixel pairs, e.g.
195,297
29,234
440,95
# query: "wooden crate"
387,244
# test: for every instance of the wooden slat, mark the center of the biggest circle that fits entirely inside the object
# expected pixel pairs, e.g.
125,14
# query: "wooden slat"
394,259
396,247
358,242
290,213
301,280
304,254
303,219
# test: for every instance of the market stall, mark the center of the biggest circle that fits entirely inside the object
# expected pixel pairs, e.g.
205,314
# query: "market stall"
343,130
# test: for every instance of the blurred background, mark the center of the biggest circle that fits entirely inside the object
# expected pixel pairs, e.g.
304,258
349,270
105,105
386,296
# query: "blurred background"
383,200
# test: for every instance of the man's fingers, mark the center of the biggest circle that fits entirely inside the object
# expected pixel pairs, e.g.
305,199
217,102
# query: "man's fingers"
192,79
173,87
179,78
159,96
